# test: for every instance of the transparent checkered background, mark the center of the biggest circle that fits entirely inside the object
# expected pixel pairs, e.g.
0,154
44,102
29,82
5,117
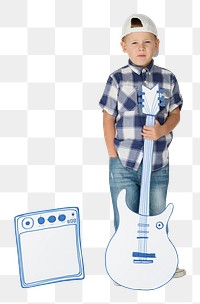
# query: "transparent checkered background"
55,57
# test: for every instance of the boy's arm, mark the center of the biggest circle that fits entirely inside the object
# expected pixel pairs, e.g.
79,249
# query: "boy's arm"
158,130
109,133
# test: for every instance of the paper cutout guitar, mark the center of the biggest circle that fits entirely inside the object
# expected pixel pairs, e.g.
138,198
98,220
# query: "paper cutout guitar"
140,255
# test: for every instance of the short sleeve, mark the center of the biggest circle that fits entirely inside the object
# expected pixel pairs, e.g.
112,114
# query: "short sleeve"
108,101
176,99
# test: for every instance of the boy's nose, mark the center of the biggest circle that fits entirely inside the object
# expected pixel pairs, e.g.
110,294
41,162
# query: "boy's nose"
141,46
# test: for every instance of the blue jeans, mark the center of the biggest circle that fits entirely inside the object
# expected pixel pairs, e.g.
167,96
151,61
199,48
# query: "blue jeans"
130,180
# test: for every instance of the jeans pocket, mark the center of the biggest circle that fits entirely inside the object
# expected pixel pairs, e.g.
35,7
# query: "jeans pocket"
113,161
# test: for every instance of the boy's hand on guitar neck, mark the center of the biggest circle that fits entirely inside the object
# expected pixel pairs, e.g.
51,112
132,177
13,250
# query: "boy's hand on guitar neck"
158,130
153,132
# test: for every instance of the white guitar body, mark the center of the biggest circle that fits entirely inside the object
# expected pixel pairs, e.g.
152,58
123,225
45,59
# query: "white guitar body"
140,254
138,272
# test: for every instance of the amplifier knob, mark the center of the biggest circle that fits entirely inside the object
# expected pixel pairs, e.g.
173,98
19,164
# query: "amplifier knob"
41,220
62,217
52,219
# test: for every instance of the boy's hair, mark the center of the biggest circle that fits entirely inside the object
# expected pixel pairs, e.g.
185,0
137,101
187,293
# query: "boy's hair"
135,22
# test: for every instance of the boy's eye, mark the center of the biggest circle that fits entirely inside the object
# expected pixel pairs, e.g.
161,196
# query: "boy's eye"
147,41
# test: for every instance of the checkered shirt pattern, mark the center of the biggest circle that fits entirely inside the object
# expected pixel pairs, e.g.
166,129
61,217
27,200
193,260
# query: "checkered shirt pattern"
120,98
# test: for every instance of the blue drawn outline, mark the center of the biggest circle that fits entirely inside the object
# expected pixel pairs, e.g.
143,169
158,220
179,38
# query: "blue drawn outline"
18,234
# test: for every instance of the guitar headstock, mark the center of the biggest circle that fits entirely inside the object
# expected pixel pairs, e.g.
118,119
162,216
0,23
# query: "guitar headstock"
150,100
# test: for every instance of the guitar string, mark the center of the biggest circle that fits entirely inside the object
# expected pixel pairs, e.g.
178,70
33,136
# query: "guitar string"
148,148
143,244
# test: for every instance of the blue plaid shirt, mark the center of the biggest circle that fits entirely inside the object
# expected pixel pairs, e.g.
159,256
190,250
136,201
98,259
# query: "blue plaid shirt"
120,99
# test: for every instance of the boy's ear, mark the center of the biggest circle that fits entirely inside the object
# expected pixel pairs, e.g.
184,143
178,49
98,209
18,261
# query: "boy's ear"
123,45
157,43
156,51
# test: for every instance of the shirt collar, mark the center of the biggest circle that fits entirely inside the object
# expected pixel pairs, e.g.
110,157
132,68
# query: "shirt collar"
138,70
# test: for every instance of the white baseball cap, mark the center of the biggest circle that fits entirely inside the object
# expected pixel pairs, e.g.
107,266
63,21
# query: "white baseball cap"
147,25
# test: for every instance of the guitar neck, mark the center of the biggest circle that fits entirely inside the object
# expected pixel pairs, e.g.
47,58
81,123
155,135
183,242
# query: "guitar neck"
146,170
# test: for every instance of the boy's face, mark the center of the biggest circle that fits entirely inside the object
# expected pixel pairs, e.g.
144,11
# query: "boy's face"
140,47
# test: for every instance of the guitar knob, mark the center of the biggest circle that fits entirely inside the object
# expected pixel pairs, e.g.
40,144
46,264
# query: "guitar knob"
159,225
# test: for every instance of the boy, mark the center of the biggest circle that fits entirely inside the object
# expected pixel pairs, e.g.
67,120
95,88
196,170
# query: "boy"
124,122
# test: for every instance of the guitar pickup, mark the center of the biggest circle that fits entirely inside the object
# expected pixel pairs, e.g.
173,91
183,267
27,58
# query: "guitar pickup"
143,255
142,231
143,258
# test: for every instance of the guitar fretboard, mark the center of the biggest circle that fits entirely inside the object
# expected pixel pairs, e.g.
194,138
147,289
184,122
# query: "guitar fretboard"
142,257
146,171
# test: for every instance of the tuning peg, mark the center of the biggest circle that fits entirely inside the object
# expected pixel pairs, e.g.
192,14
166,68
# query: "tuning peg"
161,101
141,105
140,93
160,91
140,102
